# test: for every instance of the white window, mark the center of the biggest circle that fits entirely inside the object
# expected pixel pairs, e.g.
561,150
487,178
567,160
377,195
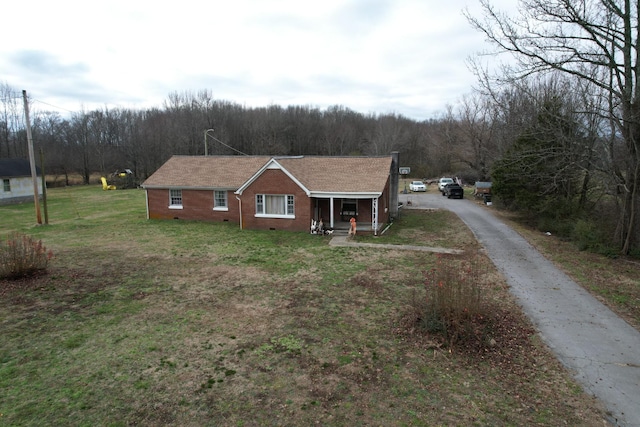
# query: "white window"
220,200
7,185
290,210
175,199
275,205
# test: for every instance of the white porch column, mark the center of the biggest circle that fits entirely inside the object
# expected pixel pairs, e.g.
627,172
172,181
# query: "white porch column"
331,213
374,216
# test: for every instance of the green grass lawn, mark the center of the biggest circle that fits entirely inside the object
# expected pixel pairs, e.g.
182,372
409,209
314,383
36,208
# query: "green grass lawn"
186,323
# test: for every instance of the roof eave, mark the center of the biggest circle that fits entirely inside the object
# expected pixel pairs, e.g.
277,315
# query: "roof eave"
345,194
184,187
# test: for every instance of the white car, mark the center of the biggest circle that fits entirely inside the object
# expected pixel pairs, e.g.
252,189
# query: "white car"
417,186
442,182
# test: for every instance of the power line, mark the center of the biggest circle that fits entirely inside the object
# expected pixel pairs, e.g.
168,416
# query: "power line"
5,99
54,106
206,133
228,146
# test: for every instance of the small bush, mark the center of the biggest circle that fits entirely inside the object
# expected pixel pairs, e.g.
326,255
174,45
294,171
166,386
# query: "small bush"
452,306
590,236
21,255
586,235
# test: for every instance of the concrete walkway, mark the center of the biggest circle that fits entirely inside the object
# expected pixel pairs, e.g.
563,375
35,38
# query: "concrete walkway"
599,348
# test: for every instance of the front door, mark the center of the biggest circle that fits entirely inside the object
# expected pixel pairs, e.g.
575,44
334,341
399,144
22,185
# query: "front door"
348,209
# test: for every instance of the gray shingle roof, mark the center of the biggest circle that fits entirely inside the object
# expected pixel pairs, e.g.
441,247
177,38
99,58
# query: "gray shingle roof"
340,174
12,168
316,173
228,172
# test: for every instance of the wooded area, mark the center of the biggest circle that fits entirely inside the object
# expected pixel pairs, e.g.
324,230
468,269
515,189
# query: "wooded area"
557,130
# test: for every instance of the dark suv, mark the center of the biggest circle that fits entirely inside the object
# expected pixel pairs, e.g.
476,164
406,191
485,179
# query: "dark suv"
453,191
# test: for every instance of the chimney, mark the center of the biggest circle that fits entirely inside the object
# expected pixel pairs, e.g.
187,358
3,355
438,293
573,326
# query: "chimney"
393,184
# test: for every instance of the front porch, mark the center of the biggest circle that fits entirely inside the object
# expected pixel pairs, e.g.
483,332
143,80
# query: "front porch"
336,212
342,228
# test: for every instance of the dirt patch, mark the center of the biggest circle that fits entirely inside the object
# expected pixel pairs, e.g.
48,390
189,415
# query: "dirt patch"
15,290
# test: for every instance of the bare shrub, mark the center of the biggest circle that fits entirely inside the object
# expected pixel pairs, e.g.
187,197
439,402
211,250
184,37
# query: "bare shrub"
452,306
21,255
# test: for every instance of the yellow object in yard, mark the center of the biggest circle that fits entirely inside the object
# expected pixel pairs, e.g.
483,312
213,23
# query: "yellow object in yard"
106,186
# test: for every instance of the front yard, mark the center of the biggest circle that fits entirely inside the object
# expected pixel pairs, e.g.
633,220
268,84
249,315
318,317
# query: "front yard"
186,323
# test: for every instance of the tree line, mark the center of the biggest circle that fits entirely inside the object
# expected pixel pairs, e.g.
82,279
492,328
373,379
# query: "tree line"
556,130
104,140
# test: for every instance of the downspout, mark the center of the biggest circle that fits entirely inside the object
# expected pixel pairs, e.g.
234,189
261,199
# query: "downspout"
240,209
146,201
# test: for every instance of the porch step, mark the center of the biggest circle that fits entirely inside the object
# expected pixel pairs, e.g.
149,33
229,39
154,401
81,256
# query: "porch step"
340,232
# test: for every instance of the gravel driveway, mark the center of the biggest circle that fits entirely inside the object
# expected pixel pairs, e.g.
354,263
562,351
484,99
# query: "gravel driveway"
602,350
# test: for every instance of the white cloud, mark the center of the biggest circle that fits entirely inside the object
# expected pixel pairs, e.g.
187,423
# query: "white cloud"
373,56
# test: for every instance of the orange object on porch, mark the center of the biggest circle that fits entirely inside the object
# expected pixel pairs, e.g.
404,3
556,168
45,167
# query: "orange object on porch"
352,230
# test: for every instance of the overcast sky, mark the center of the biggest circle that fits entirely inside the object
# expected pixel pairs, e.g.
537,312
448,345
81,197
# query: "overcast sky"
372,56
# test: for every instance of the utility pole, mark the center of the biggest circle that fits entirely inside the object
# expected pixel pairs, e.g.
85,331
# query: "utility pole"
206,148
32,162
43,182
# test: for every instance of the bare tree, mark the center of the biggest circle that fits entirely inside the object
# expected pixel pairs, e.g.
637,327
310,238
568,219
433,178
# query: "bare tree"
476,133
81,142
442,137
596,41
338,131
11,123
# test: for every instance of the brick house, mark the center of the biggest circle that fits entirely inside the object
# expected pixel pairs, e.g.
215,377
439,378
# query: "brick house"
282,193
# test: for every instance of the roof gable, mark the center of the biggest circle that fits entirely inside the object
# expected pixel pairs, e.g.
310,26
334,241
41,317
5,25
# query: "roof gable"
271,164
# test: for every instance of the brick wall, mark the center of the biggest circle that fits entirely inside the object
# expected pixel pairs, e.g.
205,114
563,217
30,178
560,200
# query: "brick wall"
274,181
196,205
